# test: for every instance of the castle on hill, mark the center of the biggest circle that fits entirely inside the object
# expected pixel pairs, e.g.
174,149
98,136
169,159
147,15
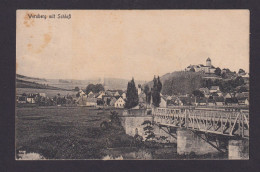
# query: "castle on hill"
208,68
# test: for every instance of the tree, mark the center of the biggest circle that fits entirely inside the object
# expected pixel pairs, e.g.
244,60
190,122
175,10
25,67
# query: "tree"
241,71
157,87
239,81
192,69
131,95
218,71
159,84
224,75
146,92
76,89
94,88
198,93
114,118
148,129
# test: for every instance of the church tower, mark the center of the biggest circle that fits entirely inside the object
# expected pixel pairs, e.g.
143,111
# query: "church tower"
208,62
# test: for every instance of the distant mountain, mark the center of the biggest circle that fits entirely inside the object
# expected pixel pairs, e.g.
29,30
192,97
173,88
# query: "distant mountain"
70,84
29,78
27,84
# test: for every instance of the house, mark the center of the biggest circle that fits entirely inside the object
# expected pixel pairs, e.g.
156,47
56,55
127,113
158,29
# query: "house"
42,94
21,99
220,101
205,91
120,103
246,94
202,102
81,101
219,93
211,102
142,98
30,100
81,93
214,89
91,102
168,98
208,68
101,94
163,102
90,94
112,101
186,101
215,94
106,100
177,101
227,95
123,96
116,93
231,101
239,95
243,101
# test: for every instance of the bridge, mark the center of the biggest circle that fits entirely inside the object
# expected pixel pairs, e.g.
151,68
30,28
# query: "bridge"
201,129
216,121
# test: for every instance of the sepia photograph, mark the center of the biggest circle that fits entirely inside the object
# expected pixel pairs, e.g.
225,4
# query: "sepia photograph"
132,85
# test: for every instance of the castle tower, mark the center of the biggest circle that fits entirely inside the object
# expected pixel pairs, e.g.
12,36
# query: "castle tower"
208,62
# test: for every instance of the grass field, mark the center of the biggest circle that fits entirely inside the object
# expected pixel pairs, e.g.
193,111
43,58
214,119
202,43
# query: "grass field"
66,133
75,133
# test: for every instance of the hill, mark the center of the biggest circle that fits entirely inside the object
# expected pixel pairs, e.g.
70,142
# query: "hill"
180,82
70,84
27,84
29,78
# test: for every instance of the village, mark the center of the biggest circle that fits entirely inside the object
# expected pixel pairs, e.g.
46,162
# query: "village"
205,96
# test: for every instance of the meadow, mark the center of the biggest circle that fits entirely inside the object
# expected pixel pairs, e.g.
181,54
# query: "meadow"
75,133
66,132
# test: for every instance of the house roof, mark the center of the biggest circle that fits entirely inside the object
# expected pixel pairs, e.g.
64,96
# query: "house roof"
242,98
120,98
206,90
231,100
246,94
214,94
214,88
240,95
203,100
219,99
211,101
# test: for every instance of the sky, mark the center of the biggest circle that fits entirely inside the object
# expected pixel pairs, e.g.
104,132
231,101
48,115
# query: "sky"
129,43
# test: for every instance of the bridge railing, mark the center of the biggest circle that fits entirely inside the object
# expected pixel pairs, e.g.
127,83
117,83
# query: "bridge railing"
214,121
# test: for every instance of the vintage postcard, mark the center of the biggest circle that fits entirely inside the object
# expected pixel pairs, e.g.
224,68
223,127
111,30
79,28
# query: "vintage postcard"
132,84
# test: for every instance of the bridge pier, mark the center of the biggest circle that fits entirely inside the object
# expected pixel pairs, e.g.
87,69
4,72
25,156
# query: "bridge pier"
188,142
238,149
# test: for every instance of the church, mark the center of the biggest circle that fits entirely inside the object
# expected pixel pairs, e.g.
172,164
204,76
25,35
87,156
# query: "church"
208,68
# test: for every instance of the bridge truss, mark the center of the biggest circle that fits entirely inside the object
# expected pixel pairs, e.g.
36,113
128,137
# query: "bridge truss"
225,123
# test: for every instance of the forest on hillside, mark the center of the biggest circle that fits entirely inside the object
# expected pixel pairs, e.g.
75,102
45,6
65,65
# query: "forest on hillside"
182,83
187,82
